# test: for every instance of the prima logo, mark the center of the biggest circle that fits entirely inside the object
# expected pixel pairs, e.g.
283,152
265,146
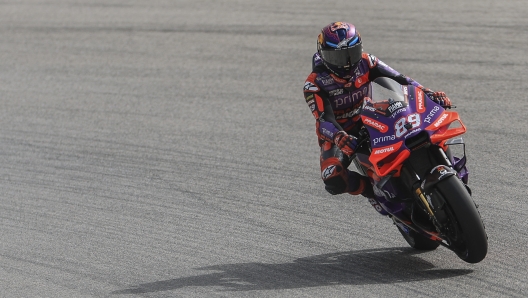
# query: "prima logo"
398,112
355,97
383,139
431,114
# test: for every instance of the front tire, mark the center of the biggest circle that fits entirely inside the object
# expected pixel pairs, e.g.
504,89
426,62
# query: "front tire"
463,228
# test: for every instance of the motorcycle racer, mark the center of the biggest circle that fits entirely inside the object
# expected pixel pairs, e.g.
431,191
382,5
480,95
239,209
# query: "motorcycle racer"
334,92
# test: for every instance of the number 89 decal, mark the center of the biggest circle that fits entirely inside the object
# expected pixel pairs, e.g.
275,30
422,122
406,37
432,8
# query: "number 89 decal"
399,127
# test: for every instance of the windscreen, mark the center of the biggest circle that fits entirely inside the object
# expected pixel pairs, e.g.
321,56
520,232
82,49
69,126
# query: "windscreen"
387,96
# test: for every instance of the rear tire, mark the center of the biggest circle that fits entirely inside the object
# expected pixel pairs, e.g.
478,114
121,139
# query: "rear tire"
463,228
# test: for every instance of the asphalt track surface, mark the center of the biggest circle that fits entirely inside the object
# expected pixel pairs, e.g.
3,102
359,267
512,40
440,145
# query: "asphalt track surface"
163,149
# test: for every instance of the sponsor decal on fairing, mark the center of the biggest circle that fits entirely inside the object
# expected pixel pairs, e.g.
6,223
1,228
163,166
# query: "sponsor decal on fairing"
420,101
398,112
369,108
383,139
414,131
431,114
440,120
375,124
405,90
393,107
384,150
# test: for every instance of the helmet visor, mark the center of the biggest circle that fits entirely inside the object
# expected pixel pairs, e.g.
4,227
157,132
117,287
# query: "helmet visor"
343,56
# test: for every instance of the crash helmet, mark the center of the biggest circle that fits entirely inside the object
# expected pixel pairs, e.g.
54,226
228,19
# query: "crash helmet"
339,45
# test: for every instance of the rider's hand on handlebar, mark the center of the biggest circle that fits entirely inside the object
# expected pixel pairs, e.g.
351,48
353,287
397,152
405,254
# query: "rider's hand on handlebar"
439,97
346,142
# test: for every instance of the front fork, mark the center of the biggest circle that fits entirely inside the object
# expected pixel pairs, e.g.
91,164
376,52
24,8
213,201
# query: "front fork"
449,166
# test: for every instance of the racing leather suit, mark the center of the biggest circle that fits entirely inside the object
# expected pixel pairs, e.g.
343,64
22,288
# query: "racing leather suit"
335,103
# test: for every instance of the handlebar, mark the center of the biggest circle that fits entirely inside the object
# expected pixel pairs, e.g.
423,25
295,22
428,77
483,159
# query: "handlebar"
363,136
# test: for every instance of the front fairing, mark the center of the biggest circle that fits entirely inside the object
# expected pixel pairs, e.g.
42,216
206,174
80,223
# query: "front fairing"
399,119
392,114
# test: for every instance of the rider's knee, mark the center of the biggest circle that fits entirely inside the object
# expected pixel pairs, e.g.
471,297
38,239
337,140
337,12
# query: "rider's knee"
334,176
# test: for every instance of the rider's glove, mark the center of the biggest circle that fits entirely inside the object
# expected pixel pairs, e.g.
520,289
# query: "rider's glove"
439,97
345,142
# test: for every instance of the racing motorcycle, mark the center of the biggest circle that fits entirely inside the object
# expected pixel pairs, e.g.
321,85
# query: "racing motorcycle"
405,149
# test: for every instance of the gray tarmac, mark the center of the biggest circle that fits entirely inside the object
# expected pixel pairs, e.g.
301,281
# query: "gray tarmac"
164,149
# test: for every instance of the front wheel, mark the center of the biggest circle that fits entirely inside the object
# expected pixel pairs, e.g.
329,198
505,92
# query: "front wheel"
463,226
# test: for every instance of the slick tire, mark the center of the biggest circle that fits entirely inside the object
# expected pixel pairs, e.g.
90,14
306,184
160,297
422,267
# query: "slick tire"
464,227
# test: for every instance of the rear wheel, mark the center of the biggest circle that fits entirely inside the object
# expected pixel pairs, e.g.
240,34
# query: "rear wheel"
463,226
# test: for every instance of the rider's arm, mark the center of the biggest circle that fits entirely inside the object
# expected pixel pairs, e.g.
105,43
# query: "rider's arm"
326,124
379,69
327,127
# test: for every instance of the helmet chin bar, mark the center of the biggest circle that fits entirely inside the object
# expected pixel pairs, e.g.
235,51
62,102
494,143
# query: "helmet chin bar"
346,70
341,75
